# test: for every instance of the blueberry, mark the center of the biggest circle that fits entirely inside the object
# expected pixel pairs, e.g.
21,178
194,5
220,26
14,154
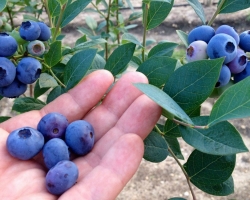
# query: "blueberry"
7,72
45,32
15,89
79,137
225,76
8,45
53,125
242,75
204,33
24,143
28,70
61,177
36,48
54,151
245,41
229,31
197,50
29,30
222,45
239,63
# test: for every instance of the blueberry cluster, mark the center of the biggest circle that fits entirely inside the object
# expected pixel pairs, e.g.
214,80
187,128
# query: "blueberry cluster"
14,79
207,43
57,140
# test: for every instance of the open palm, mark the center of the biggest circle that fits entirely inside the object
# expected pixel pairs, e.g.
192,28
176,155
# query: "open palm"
121,122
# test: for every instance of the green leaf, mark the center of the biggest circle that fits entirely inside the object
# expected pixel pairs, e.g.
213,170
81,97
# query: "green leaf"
163,100
209,169
118,60
54,8
220,139
156,148
88,44
2,4
158,69
56,92
196,5
157,13
163,49
135,62
92,24
98,63
232,104
231,6
131,38
39,91
62,2
78,66
72,10
174,146
223,189
81,40
4,118
183,36
135,15
191,84
27,104
54,55
47,81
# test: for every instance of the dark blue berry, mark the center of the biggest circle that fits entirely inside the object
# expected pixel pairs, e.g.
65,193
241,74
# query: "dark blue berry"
245,41
28,70
225,76
54,151
242,75
8,45
61,177
7,72
15,89
204,33
24,143
45,32
29,30
79,137
53,125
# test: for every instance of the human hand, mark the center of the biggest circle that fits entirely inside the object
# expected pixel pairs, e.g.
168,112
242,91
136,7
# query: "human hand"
121,122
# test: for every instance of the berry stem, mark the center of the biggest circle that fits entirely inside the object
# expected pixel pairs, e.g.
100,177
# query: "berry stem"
216,12
58,23
107,30
179,163
55,77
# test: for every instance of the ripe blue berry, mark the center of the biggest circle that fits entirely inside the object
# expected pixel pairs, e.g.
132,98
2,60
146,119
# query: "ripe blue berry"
53,125
245,41
61,177
7,72
29,30
79,137
229,30
222,45
15,89
24,143
239,63
197,50
36,48
242,75
225,76
8,45
28,70
54,151
204,33
45,32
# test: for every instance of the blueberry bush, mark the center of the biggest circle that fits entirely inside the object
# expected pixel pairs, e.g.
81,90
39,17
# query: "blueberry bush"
215,66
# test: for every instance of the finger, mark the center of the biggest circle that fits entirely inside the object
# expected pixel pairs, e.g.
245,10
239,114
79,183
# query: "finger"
74,104
116,103
116,168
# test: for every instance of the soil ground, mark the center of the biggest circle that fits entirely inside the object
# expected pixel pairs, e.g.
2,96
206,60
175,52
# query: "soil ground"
164,180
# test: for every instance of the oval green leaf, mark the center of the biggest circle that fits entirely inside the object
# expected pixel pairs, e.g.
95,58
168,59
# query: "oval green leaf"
196,5
163,49
27,104
155,148
231,6
220,139
54,54
209,169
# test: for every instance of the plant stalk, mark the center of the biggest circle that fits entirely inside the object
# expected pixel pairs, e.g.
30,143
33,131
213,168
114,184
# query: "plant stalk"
58,23
45,2
117,21
216,12
107,30
189,125
145,21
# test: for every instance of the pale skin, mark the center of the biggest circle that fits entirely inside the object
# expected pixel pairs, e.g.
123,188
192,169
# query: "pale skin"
121,122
